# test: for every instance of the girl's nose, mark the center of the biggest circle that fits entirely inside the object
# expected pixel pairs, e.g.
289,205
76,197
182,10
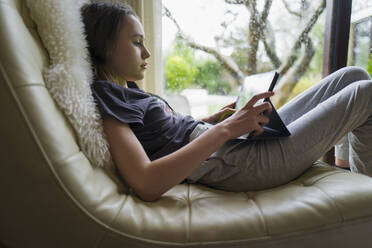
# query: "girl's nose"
145,53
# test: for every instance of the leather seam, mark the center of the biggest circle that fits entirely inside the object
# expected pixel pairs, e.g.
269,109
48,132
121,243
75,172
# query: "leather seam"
268,240
262,216
334,203
61,161
188,231
107,231
323,177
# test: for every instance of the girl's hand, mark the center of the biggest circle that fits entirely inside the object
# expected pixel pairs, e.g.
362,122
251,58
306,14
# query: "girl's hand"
250,118
221,115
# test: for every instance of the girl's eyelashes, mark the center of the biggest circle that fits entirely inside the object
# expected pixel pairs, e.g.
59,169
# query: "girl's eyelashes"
137,43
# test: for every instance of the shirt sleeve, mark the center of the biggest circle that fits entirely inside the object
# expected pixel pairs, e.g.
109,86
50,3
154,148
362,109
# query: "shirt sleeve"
113,101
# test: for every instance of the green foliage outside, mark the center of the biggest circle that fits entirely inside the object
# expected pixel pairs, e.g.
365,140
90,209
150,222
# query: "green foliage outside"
317,35
179,73
209,77
180,69
184,70
369,66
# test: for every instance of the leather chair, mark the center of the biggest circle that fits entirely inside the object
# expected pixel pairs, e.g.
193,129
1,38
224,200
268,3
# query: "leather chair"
51,196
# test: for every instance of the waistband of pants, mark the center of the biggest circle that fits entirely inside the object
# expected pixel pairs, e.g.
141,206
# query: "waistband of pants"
199,130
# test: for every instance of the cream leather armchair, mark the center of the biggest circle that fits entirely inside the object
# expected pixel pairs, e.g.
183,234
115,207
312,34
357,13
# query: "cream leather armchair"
51,196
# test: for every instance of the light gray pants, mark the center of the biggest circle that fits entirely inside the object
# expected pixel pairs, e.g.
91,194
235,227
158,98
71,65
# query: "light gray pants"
317,119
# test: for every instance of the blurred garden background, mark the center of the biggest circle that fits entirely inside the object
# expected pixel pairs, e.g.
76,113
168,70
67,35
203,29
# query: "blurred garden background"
212,47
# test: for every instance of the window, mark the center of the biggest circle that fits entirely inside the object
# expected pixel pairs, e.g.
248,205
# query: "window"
211,47
361,35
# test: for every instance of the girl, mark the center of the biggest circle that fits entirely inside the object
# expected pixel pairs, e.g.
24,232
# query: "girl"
155,148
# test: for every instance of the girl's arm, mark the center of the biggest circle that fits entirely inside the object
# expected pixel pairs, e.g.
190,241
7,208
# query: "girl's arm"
151,179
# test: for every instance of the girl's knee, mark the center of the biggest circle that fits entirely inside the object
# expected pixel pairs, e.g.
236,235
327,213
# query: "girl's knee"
366,86
356,73
346,76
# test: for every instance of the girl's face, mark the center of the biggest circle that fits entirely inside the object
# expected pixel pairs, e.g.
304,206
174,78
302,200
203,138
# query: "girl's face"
128,56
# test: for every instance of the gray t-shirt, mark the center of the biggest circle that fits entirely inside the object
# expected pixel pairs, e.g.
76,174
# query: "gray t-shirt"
158,128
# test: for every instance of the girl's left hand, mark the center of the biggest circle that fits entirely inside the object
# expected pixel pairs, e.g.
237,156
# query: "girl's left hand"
221,115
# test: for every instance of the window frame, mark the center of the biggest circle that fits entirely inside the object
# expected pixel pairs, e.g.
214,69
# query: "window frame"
336,44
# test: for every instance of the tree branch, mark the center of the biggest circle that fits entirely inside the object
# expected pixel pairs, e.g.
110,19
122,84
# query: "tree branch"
235,1
253,38
288,83
271,54
286,5
301,38
226,62
168,14
257,26
263,22
265,13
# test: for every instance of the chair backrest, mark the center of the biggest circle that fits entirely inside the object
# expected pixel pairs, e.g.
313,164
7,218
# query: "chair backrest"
179,103
50,193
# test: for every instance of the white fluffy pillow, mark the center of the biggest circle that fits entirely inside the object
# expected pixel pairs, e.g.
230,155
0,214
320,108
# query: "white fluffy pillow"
69,75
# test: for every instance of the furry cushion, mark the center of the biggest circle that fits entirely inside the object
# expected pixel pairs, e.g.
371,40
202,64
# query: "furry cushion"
69,74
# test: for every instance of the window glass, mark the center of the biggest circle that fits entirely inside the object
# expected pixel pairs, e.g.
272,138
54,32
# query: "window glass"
213,47
361,35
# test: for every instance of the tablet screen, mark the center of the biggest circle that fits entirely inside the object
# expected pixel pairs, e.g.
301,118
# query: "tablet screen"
254,84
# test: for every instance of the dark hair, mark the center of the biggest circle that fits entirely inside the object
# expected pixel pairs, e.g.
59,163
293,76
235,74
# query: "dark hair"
102,23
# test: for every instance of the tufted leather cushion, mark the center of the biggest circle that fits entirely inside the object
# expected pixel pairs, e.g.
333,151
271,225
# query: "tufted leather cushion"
52,197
